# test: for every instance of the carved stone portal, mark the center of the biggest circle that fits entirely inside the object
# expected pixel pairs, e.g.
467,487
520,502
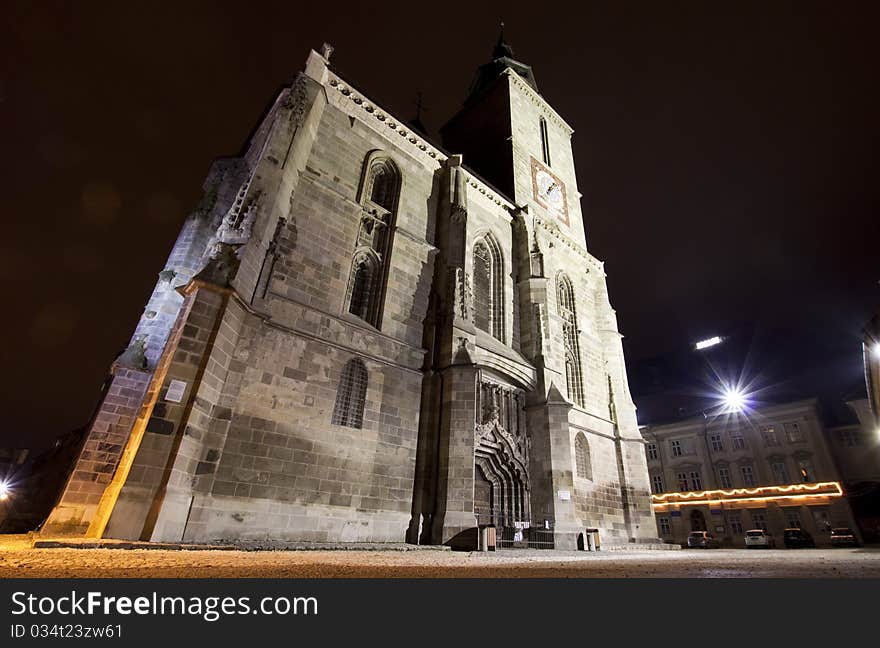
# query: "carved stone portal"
501,455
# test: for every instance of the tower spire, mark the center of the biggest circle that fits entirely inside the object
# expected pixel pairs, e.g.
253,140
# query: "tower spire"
502,58
502,49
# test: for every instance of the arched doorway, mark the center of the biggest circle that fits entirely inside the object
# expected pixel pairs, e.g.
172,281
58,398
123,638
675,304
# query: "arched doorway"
698,521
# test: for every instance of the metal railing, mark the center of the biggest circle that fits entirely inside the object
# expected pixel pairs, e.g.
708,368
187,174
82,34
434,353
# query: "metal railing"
513,533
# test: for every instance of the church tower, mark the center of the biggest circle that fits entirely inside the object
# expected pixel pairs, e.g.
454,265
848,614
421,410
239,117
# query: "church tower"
586,461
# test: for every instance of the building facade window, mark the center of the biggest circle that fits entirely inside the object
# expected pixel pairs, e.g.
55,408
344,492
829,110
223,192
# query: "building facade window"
780,471
793,433
364,287
489,287
792,518
676,448
850,438
716,443
734,523
696,480
565,304
724,477
682,481
805,470
663,525
582,457
748,475
351,395
656,483
820,517
768,434
379,197
545,141
651,450
737,441
759,520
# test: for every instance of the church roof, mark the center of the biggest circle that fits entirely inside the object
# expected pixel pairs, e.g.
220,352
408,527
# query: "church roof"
502,58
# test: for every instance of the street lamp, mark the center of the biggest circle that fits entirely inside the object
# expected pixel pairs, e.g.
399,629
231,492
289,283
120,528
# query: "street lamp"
4,491
733,399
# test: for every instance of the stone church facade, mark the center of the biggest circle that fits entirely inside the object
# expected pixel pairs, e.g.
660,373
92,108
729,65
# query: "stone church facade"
362,337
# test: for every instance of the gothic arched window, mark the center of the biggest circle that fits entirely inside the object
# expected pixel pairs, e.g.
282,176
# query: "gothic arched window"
568,314
489,287
583,466
362,292
384,184
379,196
351,395
545,141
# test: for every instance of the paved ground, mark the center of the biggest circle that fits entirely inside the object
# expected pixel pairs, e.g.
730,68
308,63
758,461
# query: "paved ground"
17,559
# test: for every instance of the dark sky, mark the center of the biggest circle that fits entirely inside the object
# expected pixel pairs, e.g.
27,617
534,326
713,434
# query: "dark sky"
727,157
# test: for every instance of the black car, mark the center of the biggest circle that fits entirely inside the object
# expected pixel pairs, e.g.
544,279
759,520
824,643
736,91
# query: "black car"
797,538
843,537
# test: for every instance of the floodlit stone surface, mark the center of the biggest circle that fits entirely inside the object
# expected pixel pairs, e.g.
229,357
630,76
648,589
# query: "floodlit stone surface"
18,560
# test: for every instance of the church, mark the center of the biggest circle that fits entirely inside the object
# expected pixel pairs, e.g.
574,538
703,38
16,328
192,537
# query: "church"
361,335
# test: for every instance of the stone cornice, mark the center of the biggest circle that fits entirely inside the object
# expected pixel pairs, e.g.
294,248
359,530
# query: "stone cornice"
551,228
269,320
369,112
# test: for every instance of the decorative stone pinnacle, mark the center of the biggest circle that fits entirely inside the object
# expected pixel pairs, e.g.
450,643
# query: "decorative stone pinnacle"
135,355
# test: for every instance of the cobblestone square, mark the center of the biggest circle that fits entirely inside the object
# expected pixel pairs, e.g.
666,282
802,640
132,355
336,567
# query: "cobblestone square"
18,559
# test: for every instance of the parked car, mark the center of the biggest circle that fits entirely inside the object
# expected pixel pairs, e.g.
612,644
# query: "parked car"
843,537
756,538
795,538
702,540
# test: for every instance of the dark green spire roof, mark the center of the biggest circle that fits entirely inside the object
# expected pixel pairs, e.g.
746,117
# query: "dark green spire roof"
502,58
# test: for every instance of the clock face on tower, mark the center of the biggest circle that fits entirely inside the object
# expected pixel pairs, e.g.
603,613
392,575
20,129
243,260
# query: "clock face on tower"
549,191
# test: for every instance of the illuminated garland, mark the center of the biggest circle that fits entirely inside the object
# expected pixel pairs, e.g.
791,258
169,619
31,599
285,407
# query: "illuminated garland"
797,491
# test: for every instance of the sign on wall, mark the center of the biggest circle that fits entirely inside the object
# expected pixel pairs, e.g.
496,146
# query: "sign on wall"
176,389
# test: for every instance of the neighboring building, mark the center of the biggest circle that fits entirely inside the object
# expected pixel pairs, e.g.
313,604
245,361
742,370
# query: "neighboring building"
35,480
770,469
856,449
362,337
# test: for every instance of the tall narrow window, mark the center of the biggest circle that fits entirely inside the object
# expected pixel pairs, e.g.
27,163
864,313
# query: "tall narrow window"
379,196
663,526
582,462
568,314
383,191
734,522
489,287
657,483
361,302
805,470
780,472
545,142
351,395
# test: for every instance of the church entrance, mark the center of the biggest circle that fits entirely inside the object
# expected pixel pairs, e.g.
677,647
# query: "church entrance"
501,480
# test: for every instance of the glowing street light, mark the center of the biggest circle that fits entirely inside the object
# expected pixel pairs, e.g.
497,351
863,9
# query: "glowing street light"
709,342
875,350
734,399
4,491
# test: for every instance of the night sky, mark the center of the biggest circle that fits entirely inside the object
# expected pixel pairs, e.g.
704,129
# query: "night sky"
727,157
